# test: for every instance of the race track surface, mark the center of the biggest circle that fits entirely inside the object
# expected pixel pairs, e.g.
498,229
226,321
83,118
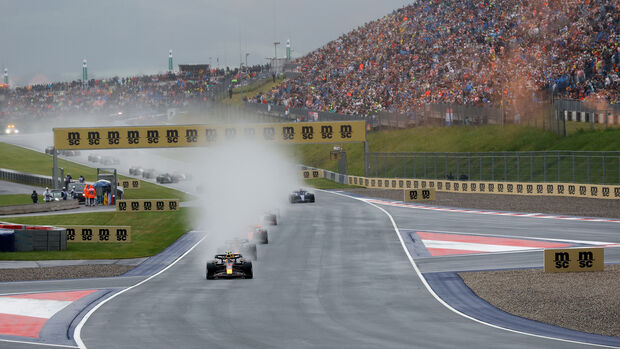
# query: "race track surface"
333,275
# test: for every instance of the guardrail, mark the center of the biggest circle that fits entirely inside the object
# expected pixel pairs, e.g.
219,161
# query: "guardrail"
25,178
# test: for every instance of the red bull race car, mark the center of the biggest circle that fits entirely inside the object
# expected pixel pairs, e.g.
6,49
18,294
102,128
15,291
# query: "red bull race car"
229,266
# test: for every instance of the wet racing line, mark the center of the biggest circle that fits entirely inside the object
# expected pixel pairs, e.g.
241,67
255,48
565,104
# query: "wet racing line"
452,292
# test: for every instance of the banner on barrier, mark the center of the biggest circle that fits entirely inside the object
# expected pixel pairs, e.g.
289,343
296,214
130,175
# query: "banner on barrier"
147,205
201,135
97,233
415,195
574,259
311,174
130,183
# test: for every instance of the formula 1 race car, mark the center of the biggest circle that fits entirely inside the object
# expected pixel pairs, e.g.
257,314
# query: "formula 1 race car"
301,196
150,173
167,178
258,235
94,158
11,130
109,160
270,218
242,246
229,266
136,171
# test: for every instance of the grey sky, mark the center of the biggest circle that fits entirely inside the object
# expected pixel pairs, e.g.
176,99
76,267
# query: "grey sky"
49,38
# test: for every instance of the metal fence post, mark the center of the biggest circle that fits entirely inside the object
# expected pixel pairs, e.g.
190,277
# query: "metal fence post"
435,166
492,166
424,165
469,166
559,172
545,167
446,166
505,168
588,167
603,161
573,167
414,165
518,168
480,168
458,165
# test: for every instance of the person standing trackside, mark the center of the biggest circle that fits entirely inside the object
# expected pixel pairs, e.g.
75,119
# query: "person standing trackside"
47,195
92,195
35,197
68,179
86,199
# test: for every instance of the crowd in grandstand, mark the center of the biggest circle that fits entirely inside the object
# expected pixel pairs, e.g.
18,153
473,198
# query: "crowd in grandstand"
144,94
472,52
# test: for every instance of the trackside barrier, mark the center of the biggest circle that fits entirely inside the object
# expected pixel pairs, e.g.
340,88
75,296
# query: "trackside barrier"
130,183
98,233
415,195
311,174
594,191
574,259
147,205
25,178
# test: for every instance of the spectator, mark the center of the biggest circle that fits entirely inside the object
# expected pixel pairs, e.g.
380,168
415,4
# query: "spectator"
35,197
81,179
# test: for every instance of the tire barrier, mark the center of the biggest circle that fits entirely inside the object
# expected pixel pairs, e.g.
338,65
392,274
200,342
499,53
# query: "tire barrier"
416,195
130,183
33,238
98,233
25,178
574,259
147,205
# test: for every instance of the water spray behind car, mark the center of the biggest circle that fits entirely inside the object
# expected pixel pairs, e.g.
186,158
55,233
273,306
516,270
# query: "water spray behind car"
241,182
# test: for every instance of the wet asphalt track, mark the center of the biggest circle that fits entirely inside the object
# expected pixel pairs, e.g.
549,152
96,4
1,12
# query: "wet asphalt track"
333,276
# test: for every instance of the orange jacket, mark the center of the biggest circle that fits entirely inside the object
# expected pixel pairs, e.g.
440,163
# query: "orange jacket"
86,191
91,192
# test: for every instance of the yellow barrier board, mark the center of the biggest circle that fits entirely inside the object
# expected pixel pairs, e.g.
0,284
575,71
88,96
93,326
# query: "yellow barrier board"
147,205
415,195
311,174
574,259
130,183
201,135
97,233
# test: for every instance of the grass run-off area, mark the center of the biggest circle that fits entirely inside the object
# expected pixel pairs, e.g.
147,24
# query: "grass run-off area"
25,160
15,199
151,233
476,139
324,183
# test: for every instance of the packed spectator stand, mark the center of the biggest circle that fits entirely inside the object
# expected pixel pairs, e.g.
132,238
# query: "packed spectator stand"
494,52
148,94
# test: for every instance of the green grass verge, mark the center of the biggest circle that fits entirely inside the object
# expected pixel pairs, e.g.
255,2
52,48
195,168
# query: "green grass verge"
324,183
151,233
15,199
25,160
474,139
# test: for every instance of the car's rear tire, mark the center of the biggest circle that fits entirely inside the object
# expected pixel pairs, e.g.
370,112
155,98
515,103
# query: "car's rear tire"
247,269
210,271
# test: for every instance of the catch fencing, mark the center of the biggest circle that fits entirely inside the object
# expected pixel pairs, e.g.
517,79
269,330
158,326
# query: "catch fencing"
535,166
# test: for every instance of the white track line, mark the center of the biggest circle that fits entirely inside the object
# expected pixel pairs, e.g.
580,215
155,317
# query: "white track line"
441,301
37,343
78,329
